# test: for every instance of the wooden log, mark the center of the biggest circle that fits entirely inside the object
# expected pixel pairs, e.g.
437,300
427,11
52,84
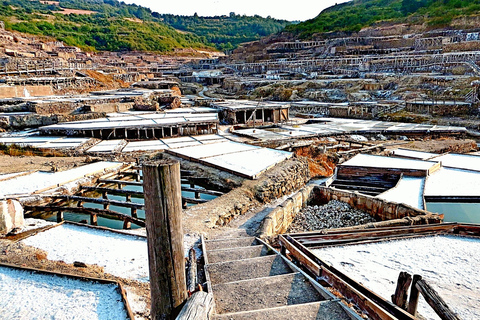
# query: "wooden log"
163,213
400,297
414,295
59,216
192,270
435,301
198,307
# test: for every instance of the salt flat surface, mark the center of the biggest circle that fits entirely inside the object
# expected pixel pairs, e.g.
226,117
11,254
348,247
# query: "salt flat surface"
40,180
450,264
453,182
29,295
249,163
413,154
460,161
145,146
121,255
106,146
366,160
409,190
214,149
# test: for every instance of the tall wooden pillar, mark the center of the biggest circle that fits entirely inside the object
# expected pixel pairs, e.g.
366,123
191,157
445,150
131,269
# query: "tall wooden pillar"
163,209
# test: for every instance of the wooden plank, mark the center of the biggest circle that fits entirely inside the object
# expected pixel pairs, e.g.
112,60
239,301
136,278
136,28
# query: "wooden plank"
435,301
300,256
193,200
198,307
122,182
354,288
163,212
120,192
101,201
203,191
100,212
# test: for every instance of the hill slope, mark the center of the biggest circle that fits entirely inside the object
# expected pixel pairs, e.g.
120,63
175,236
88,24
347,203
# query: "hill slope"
114,26
356,14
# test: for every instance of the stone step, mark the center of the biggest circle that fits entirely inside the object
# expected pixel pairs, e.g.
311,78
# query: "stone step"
230,243
324,310
264,293
230,271
224,255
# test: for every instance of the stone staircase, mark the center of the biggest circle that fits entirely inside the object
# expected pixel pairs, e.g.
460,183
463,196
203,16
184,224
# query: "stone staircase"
251,280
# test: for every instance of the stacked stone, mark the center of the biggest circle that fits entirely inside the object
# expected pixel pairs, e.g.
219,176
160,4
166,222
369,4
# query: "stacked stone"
335,214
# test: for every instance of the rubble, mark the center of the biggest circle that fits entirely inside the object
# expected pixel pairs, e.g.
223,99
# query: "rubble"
335,214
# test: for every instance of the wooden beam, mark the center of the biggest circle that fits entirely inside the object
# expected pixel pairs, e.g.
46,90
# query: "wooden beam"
100,212
101,201
163,212
119,192
435,301
122,182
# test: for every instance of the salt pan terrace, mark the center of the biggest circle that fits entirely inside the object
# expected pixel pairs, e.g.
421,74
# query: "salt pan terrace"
444,183
336,126
141,125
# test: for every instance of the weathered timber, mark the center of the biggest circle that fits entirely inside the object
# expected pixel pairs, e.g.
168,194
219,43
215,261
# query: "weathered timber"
435,301
198,307
102,201
376,307
99,212
203,191
400,297
121,182
163,209
414,295
192,270
119,192
193,200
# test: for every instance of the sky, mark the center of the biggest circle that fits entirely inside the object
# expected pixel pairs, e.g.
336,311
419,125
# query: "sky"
280,9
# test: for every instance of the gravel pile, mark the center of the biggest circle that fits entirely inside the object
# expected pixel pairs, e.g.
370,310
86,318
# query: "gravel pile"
334,214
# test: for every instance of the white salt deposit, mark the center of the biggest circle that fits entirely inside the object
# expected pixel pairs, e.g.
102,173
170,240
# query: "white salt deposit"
409,190
29,295
40,180
450,264
121,255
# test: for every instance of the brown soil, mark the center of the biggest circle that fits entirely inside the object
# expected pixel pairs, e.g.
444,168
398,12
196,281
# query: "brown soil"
320,164
11,164
442,145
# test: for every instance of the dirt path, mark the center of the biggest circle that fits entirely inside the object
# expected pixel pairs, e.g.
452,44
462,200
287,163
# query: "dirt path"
11,164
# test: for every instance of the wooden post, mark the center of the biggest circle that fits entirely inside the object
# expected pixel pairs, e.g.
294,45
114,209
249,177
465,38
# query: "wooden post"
93,219
400,297
59,216
413,302
163,209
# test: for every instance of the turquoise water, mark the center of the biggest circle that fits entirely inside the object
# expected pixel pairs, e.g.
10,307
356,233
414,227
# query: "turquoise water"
457,212
115,224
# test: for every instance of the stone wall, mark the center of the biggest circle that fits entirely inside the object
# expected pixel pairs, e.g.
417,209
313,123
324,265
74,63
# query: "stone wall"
11,216
23,91
387,213
282,180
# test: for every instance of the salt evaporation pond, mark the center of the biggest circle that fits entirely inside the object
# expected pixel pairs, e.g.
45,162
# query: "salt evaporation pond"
121,255
450,264
29,295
